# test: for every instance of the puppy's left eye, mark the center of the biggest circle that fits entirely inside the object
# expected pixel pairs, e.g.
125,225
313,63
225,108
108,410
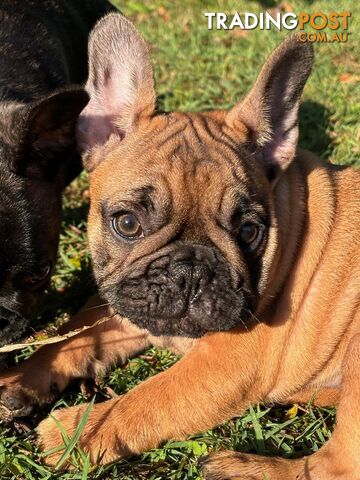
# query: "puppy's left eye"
127,225
249,232
250,235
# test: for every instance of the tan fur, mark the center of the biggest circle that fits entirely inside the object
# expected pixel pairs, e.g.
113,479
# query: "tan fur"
303,339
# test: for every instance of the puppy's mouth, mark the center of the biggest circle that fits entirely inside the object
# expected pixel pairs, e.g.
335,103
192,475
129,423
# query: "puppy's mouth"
182,297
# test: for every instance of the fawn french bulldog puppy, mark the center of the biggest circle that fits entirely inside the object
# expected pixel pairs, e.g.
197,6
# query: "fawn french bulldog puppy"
43,54
213,235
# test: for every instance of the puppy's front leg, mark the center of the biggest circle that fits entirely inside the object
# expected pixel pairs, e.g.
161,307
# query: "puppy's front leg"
201,390
50,369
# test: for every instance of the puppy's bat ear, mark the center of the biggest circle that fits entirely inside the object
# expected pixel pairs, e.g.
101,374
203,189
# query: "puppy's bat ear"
48,134
120,83
270,110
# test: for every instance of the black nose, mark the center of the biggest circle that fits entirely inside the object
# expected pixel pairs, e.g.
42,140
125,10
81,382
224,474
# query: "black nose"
191,277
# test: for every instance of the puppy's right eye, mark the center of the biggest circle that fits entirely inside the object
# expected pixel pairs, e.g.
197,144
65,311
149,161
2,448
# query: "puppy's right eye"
42,274
127,226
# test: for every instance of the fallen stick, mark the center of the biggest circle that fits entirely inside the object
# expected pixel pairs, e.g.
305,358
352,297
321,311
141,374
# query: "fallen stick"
58,338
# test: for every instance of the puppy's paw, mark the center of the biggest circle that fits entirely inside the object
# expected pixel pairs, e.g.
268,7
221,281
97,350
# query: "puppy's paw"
98,437
221,466
229,465
56,431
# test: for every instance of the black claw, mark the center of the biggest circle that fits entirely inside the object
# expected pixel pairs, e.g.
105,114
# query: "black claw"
202,461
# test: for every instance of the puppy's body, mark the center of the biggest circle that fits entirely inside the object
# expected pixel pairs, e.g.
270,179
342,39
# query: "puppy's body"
282,317
43,48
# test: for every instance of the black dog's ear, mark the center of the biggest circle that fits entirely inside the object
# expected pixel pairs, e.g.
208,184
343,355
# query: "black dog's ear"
49,132
270,110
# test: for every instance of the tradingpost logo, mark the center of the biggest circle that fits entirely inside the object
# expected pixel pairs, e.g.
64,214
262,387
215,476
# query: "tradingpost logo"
337,23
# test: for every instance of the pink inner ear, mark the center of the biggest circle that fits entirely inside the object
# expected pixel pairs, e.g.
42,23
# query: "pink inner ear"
110,103
120,82
281,148
95,129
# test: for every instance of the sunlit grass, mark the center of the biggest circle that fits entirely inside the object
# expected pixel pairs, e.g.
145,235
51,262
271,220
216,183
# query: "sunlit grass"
197,69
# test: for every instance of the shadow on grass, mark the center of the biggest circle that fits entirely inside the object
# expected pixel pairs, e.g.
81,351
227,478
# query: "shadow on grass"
269,3
314,125
76,215
71,299
277,3
80,285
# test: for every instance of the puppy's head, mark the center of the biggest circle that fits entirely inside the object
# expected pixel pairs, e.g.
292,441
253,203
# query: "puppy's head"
182,226
37,159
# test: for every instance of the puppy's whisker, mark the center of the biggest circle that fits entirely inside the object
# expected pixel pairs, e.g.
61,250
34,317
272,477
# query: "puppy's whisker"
252,315
244,324
97,306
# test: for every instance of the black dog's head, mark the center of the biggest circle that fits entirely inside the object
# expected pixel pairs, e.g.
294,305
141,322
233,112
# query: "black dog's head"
183,226
38,158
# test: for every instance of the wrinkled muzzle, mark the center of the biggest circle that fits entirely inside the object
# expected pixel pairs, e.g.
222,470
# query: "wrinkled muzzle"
188,291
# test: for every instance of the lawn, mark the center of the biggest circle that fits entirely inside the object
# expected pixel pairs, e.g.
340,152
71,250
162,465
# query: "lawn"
198,69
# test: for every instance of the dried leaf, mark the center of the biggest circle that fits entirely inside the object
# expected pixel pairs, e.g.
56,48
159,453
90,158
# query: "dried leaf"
349,78
164,14
286,7
239,33
292,412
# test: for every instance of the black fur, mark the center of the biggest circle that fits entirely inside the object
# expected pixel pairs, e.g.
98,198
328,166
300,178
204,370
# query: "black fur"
43,56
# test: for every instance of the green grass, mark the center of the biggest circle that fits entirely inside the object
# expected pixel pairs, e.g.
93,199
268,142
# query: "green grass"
198,69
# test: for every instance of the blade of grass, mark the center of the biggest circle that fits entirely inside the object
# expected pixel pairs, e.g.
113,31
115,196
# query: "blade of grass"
258,431
74,439
86,467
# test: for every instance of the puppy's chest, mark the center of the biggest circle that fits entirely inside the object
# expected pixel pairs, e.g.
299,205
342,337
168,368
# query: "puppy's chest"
177,345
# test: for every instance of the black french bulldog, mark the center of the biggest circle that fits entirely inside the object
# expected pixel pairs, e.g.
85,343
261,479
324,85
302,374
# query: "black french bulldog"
43,62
